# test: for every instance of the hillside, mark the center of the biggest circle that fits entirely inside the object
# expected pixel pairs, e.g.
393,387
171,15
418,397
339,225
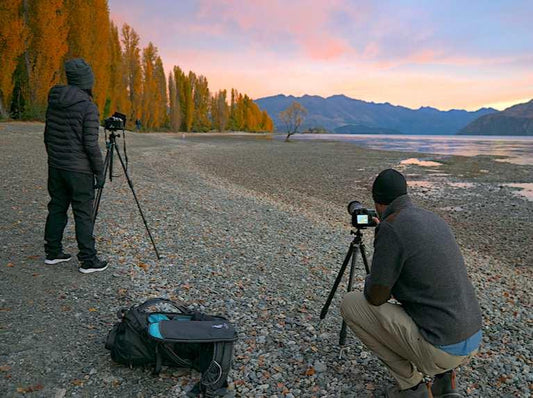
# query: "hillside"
361,129
339,110
516,120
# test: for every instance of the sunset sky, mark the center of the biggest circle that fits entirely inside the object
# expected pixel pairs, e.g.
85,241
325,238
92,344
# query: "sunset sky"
446,54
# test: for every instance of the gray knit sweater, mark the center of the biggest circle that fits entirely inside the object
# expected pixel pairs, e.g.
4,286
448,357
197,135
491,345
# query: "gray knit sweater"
417,257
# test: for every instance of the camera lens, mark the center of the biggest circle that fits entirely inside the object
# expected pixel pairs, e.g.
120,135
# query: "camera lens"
354,205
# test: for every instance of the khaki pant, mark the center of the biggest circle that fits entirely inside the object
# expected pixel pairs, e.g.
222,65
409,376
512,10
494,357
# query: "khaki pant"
393,336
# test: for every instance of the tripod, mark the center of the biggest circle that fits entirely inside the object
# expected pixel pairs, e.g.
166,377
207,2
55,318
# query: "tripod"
112,148
355,246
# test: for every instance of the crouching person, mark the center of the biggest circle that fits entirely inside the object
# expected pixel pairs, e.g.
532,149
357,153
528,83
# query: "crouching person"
437,325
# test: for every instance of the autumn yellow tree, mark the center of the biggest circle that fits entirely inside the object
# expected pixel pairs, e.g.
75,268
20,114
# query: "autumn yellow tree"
100,57
12,38
219,111
154,91
148,86
266,122
236,122
161,97
37,36
45,48
201,97
172,99
180,82
79,31
117,95
133,71
188,100
89,41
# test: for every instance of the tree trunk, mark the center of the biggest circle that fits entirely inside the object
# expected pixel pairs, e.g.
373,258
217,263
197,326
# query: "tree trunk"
3,113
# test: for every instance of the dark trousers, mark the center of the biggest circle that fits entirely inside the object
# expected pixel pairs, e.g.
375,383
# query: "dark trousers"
70,188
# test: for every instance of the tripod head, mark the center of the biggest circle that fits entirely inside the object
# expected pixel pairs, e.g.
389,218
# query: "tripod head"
358,238
111,136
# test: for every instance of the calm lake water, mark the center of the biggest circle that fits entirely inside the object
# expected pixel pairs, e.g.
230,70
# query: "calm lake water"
516,149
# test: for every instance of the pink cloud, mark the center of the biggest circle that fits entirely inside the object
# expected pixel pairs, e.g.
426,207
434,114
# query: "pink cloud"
297,21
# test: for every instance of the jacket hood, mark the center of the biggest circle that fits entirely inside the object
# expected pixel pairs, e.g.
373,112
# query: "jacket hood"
65,96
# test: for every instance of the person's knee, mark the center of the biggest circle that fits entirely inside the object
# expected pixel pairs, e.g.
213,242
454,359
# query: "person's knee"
351,305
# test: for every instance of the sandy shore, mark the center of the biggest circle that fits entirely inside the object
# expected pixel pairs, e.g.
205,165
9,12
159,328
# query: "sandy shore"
255,229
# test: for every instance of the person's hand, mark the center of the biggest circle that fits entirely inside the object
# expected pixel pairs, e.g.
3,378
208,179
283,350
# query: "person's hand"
99,181
376,220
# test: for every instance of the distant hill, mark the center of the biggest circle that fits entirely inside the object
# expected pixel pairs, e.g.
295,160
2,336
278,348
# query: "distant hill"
516,120
339,110
362,129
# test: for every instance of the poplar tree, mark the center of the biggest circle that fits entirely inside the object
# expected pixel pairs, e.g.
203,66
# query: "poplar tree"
133,71
45,48
179,100
172,103
37,36
188,100
148,114
100,56
219,111
201,95
117,95
266,122
89,41
232,124
12,38
79,33
162,119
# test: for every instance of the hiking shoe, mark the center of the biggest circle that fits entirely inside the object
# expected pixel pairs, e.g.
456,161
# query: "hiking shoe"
91,266
444,385
421,391
60,258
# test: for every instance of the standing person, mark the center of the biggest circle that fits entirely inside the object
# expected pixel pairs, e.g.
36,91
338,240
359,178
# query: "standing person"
74,163
437,325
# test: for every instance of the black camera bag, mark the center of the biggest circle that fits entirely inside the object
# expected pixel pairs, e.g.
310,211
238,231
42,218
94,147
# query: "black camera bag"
179,338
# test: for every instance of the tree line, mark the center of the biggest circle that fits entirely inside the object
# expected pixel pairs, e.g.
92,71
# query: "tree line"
38,36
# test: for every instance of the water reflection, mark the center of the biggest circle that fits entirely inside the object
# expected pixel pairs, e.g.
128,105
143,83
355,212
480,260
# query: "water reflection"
518,150
524,190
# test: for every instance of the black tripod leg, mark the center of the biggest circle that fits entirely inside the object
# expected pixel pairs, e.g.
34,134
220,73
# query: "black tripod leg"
342,335
363,255
108,157
337,282
138,204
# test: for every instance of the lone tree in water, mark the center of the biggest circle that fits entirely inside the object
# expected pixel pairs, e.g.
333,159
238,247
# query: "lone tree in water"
293,117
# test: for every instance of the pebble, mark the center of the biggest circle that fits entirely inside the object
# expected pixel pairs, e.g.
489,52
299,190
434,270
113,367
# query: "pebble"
242,239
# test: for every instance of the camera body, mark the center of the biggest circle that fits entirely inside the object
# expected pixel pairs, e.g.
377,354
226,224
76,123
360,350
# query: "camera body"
361,217
115,122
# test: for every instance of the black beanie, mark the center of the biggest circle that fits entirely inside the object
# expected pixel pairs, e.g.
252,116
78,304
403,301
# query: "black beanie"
79,73
388,185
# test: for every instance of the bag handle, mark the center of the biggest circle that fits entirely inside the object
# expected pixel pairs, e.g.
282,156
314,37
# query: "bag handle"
157,300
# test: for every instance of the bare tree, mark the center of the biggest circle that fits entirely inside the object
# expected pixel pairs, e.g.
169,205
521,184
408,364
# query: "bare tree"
293,117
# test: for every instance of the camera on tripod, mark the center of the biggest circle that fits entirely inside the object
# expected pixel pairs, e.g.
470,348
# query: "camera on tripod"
118,122
361,217
115,122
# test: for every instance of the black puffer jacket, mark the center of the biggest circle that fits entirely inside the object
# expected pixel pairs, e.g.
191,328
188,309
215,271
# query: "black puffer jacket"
71,131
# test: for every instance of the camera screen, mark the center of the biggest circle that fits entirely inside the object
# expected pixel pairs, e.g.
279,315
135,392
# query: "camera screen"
362,219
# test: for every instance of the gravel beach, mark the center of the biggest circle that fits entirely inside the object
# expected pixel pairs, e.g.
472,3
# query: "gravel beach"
254,229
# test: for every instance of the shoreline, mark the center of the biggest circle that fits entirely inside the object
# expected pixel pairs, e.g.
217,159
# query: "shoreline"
253,229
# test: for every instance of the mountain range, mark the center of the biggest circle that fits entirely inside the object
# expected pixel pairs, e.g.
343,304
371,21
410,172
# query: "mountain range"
516,120
340,113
